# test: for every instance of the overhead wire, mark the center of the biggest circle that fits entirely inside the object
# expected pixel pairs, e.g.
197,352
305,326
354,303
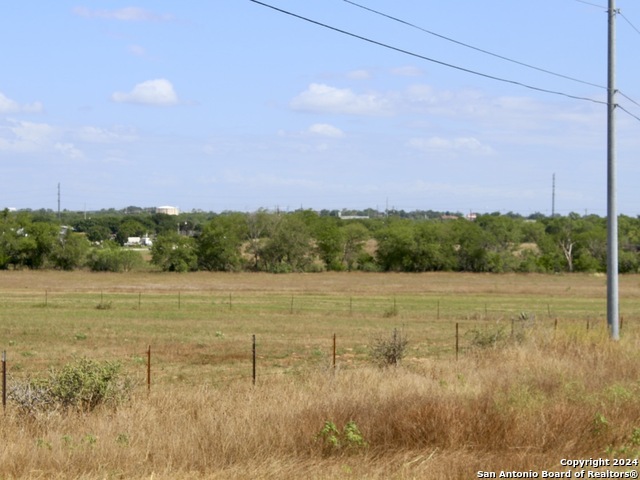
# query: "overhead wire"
463,69
620,92
592,4
502,57
629,22
628,112
449,39
618,12
429,59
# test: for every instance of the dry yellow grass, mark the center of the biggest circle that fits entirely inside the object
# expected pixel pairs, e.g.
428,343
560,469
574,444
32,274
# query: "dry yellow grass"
518,408
565,393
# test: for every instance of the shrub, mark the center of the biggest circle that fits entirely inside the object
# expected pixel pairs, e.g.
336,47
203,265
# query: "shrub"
114,259
387,351
484,338
333,440
82,385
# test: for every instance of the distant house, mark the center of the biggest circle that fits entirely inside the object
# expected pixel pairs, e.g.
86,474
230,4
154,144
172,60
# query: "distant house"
144,241
352,217
168,210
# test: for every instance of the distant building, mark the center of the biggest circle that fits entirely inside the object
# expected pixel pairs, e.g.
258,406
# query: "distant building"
139,241
352,217
167,210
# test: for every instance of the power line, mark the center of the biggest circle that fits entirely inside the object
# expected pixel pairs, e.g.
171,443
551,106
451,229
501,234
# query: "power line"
449,39
629,22
422,57
566,77
592,4
628,112
629,98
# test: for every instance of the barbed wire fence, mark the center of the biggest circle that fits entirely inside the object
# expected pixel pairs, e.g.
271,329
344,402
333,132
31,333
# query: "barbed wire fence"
460,331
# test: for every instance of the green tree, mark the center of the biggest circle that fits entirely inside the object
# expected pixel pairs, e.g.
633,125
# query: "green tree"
259,226
354,236
71,250
219,244
111,257
174,253
289,246
130,227
435,250
472,247
396,246
37,243
330,240
8,239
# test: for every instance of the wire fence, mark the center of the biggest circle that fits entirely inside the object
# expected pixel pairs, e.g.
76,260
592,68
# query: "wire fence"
269,356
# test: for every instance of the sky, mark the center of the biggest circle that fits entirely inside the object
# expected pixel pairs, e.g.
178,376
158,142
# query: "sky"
232,105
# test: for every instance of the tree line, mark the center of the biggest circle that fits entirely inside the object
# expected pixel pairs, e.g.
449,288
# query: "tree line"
310,241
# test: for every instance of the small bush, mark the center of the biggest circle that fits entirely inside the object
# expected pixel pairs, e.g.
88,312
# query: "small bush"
485,338
104,306
333,440
82,385
31,396
389,351
630,449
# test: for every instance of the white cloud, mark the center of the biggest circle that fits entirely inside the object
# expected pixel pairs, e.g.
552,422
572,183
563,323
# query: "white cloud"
127,14
459,144
10,106
31,132
326,99
158,92
359,75
69,150
408,71
326,130
102,135
30,137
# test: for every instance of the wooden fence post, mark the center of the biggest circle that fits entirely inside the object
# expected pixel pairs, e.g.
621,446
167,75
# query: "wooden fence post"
457,341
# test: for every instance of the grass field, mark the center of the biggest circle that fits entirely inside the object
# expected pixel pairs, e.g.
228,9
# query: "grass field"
561,389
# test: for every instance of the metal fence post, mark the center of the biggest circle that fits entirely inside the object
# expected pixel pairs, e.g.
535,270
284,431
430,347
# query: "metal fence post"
254,359
4,380
334,352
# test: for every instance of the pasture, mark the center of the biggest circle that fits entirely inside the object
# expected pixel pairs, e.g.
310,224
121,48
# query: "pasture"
559,389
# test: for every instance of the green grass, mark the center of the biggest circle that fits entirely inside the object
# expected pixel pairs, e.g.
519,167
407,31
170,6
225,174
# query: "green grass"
293,317
562,391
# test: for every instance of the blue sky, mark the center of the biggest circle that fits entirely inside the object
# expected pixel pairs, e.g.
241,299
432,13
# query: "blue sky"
229,105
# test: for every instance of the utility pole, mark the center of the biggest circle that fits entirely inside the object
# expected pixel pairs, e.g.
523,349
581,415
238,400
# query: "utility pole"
58,200
612,211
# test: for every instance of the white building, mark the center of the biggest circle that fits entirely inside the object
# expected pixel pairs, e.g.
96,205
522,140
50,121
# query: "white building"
167,210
